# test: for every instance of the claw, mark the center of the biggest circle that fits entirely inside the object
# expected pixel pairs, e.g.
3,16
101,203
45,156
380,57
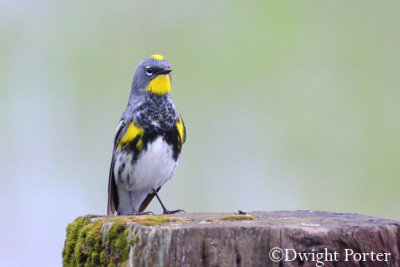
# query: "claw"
173,211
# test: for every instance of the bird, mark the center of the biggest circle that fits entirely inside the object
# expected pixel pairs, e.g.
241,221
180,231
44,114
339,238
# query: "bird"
147,143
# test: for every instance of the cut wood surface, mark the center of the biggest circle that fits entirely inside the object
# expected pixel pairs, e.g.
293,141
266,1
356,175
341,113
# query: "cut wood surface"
302,238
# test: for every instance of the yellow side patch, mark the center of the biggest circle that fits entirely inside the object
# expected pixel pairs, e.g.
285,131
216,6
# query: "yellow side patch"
132,132
160,85
157,57
181,129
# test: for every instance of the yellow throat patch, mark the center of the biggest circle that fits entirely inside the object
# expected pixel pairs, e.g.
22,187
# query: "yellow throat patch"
160,85
132,132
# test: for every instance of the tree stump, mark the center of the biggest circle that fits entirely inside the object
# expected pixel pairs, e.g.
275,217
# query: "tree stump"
278,238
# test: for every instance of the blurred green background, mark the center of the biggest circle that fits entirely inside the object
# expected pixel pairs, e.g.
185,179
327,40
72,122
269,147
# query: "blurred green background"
288,105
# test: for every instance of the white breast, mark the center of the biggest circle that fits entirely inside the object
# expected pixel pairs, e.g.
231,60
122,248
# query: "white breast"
153,168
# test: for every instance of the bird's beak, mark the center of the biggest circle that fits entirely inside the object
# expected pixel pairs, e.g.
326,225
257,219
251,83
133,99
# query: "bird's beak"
165,71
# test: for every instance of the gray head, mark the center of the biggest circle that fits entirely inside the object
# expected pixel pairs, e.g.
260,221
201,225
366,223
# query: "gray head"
152,75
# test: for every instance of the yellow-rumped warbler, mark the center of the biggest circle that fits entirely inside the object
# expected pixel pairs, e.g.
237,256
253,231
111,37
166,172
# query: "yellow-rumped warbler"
147,142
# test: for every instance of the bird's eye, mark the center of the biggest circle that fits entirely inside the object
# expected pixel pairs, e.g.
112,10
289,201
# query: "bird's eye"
149,71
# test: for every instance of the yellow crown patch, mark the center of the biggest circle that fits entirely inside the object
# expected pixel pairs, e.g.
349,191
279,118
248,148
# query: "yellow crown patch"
157,57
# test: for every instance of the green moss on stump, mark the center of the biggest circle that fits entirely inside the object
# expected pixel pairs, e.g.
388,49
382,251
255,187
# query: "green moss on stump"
237,217
150,220
86,246
73,230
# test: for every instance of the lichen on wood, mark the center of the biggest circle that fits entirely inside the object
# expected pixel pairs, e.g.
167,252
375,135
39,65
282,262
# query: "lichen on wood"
237,217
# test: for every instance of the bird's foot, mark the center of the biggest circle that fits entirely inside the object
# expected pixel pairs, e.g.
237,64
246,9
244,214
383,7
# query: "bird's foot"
173,211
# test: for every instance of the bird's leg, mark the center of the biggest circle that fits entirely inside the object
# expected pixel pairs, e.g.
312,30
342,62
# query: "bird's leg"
165,211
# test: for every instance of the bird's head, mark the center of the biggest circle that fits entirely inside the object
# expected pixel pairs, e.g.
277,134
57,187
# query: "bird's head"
153,75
